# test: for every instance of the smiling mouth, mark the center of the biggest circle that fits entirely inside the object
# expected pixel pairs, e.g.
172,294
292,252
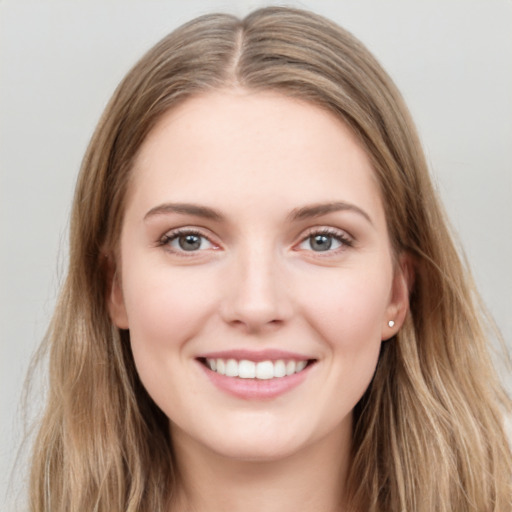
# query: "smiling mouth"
261,370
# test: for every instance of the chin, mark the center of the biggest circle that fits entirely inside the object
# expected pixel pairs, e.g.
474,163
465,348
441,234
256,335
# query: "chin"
255,442
256,451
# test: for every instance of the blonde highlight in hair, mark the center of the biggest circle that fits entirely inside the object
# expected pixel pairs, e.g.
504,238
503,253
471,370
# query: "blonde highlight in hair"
428,433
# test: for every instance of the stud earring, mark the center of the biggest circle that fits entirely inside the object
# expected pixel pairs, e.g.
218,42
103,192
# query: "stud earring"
391,323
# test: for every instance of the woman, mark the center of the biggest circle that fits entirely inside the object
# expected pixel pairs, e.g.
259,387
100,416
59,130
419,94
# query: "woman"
264,307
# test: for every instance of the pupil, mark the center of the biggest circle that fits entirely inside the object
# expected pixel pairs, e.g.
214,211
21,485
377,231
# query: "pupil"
189,242
321,242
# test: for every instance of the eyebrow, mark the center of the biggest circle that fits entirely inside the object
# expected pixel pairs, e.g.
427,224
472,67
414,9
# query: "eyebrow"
317,210
185,209
305,212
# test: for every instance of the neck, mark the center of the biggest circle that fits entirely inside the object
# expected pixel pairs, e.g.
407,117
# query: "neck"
313,479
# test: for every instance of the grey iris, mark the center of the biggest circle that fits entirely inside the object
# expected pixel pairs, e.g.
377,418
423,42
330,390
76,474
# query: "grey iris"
189,242
320,242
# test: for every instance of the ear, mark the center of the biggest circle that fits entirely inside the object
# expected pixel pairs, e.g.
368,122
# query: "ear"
115,299
398,306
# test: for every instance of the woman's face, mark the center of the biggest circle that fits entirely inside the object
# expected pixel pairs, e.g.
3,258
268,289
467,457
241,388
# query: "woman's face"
254,243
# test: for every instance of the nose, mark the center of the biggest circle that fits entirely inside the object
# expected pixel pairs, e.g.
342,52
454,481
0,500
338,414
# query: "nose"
256,296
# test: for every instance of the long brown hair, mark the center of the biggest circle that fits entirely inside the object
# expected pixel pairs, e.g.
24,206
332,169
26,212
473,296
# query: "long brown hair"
428,433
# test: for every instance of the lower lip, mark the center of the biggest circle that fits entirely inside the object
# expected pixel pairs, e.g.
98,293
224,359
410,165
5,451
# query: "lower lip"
256,389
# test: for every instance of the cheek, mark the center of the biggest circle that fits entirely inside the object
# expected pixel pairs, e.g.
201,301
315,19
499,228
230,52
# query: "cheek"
350,309
348,317
162,300
164,310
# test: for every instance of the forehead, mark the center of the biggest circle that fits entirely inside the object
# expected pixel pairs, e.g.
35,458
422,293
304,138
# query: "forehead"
258,147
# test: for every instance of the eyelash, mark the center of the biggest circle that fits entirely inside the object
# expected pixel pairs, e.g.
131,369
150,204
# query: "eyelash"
166,240
338,235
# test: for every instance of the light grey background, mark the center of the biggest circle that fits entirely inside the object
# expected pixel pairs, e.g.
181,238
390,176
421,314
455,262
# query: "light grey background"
60,61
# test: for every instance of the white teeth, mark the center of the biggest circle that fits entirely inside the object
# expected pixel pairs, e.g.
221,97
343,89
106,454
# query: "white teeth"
246,369
265,370
279,369
262,370
232,368
290,367
300,366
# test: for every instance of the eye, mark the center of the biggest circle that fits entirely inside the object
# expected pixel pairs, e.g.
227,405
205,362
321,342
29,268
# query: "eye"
325,240
186,241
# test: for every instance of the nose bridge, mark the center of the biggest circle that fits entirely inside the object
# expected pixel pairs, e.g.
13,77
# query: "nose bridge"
257,292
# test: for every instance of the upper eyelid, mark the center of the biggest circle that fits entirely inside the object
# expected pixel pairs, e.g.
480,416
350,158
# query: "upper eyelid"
344,238
206,233
329,230
167,240
172,234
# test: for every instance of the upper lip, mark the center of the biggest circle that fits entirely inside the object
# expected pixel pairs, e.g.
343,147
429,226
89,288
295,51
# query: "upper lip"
255,355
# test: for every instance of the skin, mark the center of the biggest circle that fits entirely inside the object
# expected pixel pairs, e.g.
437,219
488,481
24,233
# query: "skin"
256,282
